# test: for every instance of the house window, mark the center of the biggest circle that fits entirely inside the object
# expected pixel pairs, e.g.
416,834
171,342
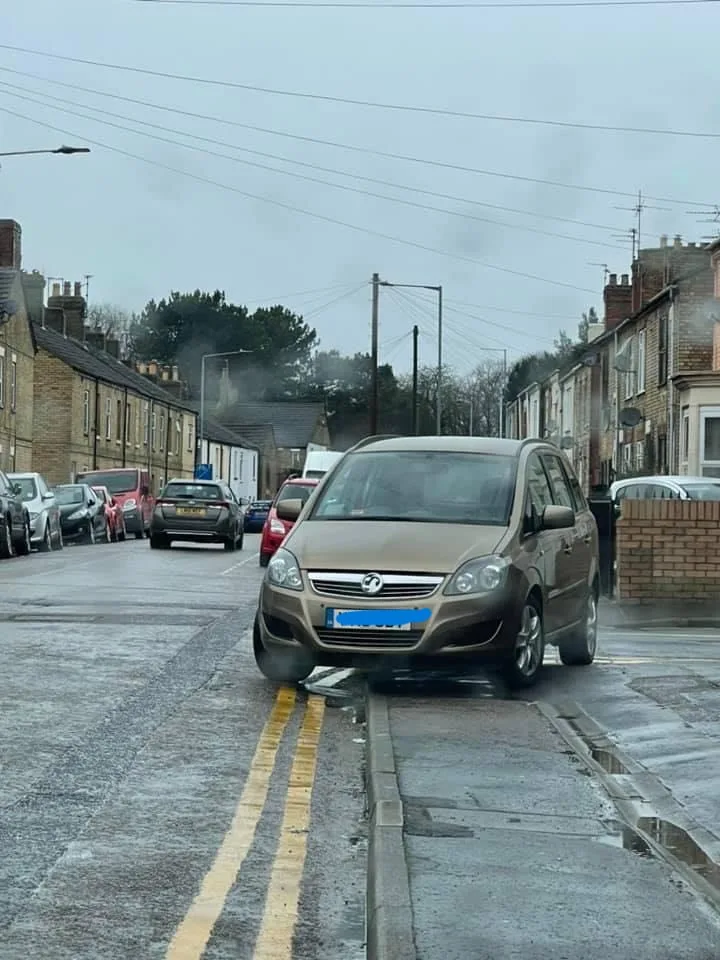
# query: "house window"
190,438
254,466
2,376
627,376
685,436
128,421
153,429
108,418
662,352
710,441
640,455
86,412
146,424
118,425
178,436
641,362
162,431
662,465
13,383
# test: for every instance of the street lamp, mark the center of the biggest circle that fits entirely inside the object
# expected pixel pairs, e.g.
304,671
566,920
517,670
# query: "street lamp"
63,149
210,356
439,291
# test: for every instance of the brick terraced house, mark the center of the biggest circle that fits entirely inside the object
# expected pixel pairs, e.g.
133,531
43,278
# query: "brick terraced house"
93,411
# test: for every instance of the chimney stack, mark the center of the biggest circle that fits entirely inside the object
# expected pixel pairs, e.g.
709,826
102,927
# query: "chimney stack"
34,288
77,289
55,290
663,241
618,301
66,288
10,244
66,313
625,279
677,242
175,373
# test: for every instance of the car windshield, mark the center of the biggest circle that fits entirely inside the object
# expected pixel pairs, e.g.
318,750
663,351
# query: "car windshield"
702,491
192,491
295,491
117,481
27,486
421,486
67,495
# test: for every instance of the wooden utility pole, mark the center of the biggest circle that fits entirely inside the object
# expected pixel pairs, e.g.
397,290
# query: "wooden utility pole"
415,422
374,355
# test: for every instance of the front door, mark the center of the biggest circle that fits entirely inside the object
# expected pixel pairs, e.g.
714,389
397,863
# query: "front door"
572,556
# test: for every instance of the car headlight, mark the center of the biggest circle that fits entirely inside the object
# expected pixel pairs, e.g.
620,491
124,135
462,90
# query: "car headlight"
78,515
482,575
284,571
130,504
277,526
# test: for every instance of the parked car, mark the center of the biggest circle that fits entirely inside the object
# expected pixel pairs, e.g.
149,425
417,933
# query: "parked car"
131,488
256,514
666,488
82,513
197,511
114,514
14,521
434,549
43,511
276,528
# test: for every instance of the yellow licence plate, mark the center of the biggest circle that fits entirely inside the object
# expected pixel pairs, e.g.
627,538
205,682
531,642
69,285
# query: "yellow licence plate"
192,511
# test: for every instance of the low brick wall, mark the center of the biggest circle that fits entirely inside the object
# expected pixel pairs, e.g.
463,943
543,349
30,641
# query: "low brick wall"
668,549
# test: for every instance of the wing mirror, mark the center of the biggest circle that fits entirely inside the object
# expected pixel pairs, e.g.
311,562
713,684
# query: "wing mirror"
289,509
557,518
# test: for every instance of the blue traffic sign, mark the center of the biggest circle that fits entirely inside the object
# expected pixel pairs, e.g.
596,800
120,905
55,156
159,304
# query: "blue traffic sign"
204,471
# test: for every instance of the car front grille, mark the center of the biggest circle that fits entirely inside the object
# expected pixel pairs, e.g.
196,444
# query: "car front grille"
369,639
396,586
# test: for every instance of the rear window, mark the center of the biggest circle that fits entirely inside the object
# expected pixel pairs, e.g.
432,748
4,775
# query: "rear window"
295,491
192,491
117,481
702,491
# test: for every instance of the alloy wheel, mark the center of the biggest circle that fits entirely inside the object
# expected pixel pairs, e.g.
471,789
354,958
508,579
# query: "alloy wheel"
529,642
591,625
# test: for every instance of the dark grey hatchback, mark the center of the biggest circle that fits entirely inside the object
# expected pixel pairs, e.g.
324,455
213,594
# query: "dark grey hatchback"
197,511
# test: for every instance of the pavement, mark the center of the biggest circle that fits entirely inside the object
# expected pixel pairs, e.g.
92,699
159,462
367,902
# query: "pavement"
160,799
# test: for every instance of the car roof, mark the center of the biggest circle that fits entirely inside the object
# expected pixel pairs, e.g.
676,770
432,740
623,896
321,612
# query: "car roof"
660,478
27,475
302,481
489,445
195,483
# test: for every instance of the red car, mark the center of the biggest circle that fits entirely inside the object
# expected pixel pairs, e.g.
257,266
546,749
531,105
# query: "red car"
275,529
113,514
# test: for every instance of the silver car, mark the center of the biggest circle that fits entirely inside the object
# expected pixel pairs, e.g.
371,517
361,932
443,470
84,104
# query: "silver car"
45,531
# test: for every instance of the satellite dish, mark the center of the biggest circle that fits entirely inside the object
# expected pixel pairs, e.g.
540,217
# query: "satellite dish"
630,417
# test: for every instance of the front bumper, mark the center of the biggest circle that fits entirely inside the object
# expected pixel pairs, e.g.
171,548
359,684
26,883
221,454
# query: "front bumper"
178,529
133,521
74,529
458,626
254,524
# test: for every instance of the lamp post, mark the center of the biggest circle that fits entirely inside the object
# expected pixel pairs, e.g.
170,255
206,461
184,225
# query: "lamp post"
64,150
439,291
203,359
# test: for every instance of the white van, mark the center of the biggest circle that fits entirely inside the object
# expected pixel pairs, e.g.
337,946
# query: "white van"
318,462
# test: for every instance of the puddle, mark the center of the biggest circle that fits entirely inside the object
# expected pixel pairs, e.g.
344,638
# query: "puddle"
681,845
607,760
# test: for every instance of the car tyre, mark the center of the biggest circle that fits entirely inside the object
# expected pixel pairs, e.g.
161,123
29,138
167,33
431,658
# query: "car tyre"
289,667
107,534
230,544
159,542
60,539
6,541
46,544
579,649
264,559
24,546
122,533
139,534
90,535
524,664
241,541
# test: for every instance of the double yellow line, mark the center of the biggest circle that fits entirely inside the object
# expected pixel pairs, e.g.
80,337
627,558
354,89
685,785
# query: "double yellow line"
281,905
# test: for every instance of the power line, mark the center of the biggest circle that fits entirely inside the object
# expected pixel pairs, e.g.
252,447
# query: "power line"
368,151
314,166
287,173
356,5
373,104
299,210
522,313
315,311
301,293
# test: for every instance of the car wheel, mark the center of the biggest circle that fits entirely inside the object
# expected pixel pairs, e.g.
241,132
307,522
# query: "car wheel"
525,663
159,542
241,541
292,666
46,543
230,544
6,541
60,539
91,532
139,534
579,649
122,535
107,533
24,546
264,559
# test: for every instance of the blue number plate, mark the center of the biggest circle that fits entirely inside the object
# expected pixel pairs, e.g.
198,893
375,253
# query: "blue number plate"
375,619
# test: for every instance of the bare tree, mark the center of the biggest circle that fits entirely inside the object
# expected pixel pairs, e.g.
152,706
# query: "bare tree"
114,321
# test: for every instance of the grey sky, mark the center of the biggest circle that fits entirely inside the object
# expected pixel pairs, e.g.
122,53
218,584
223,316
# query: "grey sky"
142,231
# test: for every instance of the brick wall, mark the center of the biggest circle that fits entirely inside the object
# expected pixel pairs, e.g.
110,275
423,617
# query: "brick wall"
51,418
668,549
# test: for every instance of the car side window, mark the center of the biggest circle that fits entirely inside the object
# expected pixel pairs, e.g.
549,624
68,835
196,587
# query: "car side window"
633,491
4,483
539,490
658,491
579,501
562,494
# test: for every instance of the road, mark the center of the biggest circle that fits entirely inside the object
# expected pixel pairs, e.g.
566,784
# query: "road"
155,792
159,799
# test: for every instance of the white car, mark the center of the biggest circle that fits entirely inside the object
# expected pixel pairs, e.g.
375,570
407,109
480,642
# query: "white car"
39,500
666,488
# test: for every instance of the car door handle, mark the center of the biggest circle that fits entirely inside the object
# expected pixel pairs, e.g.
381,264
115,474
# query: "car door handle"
567,546
587,538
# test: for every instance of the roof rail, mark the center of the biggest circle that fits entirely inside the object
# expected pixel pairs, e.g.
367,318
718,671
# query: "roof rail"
374,439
